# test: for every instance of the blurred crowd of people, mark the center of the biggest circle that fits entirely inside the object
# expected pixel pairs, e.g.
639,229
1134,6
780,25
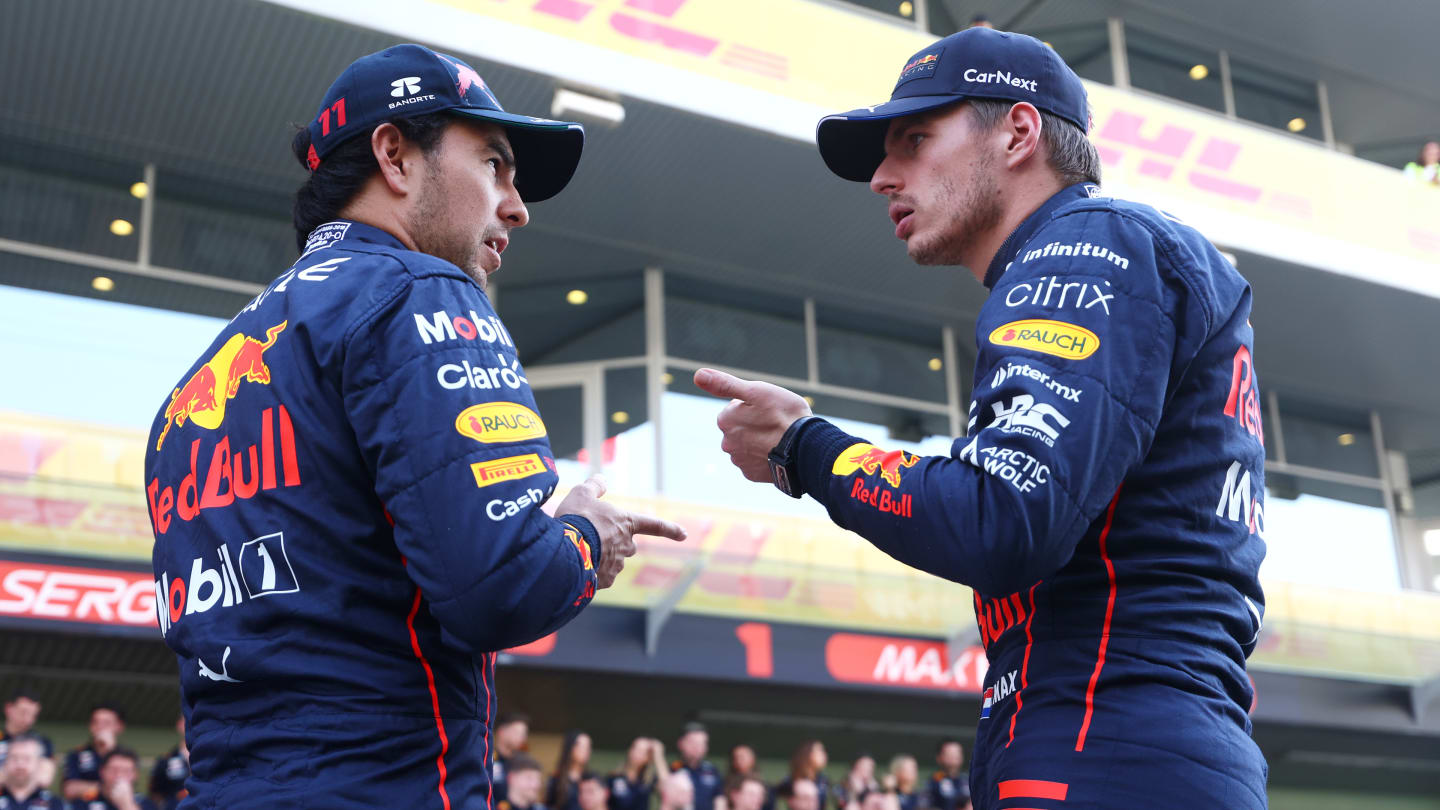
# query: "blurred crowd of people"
102,773
692,782
99,775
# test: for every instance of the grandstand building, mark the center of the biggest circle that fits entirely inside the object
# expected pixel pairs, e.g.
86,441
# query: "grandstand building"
145,181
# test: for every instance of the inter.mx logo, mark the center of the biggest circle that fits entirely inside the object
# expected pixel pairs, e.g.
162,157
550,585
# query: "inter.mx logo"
408,86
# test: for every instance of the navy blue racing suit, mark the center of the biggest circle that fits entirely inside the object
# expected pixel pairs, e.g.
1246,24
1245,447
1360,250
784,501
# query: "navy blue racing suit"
345,491
1106,507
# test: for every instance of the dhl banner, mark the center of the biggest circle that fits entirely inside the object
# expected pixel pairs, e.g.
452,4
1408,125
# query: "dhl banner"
73,492
780,65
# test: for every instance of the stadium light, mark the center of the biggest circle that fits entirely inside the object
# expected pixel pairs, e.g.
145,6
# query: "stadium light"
1296,125
139,190
1199,72
577,297
574,104
103,283
121,227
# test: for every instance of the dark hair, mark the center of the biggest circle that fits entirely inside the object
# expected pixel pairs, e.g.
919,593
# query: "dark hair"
120,751
22,694
506,718
802,764
591,776
1068,149
947,741
737,782
562,768
109,707
339,177
521,762
28,736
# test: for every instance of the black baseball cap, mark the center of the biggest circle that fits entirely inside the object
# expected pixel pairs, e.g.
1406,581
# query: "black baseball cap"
411,80
974,63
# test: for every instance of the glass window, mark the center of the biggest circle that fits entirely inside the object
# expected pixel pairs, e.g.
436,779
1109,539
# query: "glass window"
562,408
1328,439
1085,48
575,321
1322,533
78,280
1174,69
733,327
74,214
629,451
873,353
1276,100
217,242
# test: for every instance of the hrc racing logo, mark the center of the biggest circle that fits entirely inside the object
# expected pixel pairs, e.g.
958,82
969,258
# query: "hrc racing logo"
511,468
870,459
203,397
442,326
1026,417
1047,337
499,422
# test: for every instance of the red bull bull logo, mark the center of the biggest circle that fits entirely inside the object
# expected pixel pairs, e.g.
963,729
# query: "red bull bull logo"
870,459
203,397
466,77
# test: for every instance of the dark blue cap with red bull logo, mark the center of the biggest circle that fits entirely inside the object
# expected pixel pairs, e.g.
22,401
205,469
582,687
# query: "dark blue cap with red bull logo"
405,81
974,63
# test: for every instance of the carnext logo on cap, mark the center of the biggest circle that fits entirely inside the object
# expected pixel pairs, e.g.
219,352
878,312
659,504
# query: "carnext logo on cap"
920,66
1000,77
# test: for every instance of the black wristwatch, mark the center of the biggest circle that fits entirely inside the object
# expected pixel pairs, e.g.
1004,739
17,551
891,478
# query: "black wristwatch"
784,469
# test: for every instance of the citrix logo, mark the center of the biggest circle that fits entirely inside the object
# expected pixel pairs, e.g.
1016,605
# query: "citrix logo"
408,86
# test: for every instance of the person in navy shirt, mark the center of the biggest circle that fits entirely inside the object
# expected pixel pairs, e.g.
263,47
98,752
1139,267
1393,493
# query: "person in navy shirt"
563,790
117,785
808,764
903,779
346,487
82,766
20,785
512,732
524,782
1106,503
167,778
632,785
22,711
693,745
949,787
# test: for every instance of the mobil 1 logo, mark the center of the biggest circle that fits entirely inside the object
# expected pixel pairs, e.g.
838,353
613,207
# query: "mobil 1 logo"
265,568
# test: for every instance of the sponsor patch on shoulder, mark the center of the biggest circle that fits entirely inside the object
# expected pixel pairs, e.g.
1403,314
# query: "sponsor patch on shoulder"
1056,338
510,468
499,422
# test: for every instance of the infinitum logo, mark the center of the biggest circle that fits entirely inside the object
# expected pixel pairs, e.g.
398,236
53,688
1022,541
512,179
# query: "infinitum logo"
408,86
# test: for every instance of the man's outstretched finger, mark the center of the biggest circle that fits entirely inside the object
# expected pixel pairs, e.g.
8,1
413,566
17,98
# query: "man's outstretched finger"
595,484
649,524
725,385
